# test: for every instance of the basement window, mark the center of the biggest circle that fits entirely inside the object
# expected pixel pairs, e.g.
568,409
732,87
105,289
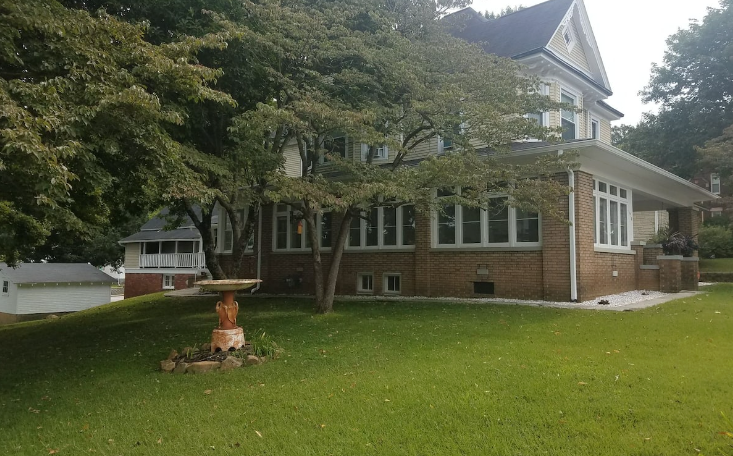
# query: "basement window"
168,283
365,282
483,287
392,284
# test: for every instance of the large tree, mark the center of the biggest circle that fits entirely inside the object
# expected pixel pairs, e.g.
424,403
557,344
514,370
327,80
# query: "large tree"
85,103
394,77
694,85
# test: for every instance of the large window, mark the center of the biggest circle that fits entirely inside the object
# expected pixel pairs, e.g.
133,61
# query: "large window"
612,211
569,117
383,227
291,232
497,225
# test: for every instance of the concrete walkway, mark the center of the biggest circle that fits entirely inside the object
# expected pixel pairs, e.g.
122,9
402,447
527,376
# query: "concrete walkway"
622,302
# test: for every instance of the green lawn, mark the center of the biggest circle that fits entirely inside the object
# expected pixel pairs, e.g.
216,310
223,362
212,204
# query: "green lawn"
375,378
716,265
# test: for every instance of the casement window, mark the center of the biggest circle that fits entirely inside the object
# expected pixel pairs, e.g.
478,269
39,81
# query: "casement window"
612,215
715,184
569,117
384,227
497,225
5,287
392,283
595,128
168,281
365,282
382,152
291,232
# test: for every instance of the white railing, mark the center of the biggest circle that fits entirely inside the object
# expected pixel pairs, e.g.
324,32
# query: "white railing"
173,260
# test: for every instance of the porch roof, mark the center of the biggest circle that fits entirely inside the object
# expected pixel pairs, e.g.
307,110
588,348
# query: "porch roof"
181,234
653,187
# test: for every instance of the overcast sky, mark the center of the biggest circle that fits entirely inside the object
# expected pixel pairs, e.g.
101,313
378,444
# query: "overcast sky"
631,34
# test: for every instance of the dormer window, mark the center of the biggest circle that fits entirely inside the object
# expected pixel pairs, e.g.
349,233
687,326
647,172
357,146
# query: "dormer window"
569,37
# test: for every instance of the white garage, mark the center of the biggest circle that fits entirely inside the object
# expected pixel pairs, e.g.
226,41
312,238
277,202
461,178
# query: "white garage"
33,290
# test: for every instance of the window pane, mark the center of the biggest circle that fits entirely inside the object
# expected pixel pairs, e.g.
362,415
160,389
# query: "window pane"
389,228
326,229
169,247
595,220
568,130
603,221
282,232
355,232
408,225
372,228
152,248
614,223
537,117
613,190
602,187
447,225
295,237
393,283
528,226
471,225
568,118
498,215
622,193
623,227
367,283
185,246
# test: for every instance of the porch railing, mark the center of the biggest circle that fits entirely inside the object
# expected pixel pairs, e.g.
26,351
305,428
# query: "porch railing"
173,260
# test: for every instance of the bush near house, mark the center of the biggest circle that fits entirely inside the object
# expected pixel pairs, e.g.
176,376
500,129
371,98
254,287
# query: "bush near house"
715,242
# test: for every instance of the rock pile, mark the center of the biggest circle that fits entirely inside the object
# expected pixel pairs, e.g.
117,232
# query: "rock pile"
197,360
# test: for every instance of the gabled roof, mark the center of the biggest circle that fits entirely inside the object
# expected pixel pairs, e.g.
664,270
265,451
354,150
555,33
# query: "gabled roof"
54,272
153,229
526,30
529,32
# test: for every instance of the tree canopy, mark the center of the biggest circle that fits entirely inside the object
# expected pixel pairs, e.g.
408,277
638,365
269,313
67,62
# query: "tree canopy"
694,85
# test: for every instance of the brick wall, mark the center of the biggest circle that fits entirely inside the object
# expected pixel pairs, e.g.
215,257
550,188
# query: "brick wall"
670,274
142,284
648,279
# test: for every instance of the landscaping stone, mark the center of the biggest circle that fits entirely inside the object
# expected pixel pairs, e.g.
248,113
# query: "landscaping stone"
231,363
173,355
203,366
252,360
206,347
181,368
167,365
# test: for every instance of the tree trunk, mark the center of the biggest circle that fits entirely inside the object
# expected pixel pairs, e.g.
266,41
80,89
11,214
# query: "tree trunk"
325,303
309,215
203,225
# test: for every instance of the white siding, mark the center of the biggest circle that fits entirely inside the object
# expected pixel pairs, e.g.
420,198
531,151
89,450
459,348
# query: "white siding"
8,302
132,255
49,298
292,164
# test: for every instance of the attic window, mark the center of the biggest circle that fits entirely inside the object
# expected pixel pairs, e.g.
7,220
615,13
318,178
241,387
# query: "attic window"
569,37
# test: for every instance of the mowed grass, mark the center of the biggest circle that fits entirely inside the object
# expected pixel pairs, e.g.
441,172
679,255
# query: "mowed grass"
375,378
716,264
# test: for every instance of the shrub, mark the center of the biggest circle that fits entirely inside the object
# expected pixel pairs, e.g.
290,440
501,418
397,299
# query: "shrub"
721,220
264,345
716,242
679,244
661,236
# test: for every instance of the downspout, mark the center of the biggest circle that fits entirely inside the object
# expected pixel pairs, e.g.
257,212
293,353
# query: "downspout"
571,217
259,252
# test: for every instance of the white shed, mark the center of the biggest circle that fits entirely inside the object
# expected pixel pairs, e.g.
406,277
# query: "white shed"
32,290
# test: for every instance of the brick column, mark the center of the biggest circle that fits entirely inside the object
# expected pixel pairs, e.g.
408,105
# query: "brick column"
556,251
686,220
584,226
690,270
670,273
638,247
422,254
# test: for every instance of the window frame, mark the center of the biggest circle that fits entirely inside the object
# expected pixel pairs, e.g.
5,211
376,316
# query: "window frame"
384,156
385,282
576,102
6,287
619,201
322,159
172,278
304,246
597,122
359,277
544,116
485,219
714,180
569,36
399,235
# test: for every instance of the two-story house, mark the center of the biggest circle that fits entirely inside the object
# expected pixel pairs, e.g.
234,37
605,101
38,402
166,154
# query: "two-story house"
496,252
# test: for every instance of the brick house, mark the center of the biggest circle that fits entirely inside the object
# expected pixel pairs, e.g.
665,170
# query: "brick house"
488,253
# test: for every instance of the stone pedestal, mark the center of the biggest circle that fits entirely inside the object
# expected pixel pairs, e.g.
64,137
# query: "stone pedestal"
226,339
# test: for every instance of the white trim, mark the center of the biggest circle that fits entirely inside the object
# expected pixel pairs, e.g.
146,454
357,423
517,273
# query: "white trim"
304,247
577,97
593,119
172,278
619,200
381,246
166,271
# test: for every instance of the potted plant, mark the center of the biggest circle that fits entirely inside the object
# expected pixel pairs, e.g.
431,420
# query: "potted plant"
679,244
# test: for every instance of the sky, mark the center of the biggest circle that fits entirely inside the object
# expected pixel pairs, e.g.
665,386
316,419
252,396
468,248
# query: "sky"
631,35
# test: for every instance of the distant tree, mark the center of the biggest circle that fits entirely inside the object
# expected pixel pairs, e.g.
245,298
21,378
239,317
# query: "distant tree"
503,12
694,85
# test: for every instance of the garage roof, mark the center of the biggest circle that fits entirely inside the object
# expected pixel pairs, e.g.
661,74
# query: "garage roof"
54,272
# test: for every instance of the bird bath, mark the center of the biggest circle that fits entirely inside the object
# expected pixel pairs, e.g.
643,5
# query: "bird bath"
228,335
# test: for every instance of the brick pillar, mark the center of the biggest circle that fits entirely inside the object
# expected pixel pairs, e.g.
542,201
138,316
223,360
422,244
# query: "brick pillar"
686,220
690,271
422,254
670,273
638,247
556,251
584,226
